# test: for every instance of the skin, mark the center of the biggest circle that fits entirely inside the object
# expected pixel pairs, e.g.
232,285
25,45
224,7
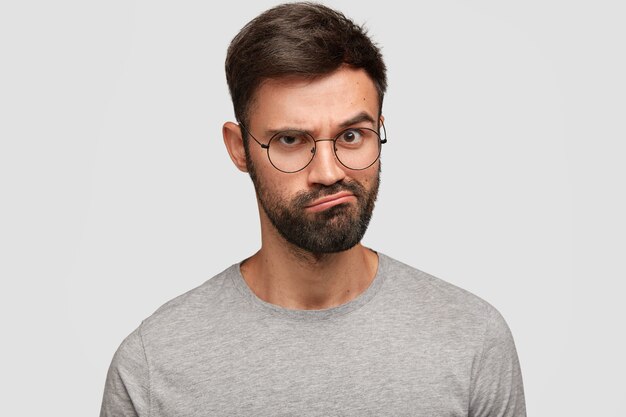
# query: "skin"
281,273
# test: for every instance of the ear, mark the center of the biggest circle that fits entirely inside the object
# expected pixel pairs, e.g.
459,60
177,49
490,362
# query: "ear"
234,144
382,118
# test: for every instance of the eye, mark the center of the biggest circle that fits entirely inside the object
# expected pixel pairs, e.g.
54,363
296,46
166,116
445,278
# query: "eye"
289,139
350,137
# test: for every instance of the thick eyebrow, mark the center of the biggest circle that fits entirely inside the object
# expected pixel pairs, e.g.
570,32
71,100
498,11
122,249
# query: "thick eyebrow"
359,118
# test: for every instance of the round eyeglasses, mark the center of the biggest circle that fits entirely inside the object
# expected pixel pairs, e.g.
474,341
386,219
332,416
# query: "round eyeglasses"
290,151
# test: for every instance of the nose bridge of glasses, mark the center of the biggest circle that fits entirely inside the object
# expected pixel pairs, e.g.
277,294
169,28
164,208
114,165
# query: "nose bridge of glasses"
324,140
325,166
324,157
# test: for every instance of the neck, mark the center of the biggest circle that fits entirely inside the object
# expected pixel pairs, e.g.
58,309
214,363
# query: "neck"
282,274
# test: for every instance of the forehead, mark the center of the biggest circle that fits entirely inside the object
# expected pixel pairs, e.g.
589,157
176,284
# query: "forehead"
314,104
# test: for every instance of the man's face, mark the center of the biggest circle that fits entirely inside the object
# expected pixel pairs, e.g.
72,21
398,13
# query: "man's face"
326,207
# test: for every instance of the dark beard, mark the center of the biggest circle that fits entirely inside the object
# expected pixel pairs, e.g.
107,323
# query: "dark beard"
336,229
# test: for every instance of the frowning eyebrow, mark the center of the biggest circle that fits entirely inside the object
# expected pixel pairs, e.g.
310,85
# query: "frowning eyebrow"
359,118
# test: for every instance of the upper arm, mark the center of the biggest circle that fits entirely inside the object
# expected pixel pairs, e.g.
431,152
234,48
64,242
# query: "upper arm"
497,389
127,386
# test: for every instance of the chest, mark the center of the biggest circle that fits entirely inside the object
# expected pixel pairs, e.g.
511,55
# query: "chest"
396,370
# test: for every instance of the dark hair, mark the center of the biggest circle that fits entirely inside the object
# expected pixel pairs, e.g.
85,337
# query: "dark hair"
297,39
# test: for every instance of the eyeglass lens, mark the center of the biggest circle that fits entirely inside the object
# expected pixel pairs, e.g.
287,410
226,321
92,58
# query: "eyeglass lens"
292,151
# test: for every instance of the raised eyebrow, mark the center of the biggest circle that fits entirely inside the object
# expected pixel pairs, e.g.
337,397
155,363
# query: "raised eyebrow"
361,117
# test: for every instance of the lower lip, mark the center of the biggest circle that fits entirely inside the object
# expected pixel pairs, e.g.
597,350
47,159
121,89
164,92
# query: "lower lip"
328,204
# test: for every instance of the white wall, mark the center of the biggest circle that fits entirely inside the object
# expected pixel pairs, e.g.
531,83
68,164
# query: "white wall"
503,174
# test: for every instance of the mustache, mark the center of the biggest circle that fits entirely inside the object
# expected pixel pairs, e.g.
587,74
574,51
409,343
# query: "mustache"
304,198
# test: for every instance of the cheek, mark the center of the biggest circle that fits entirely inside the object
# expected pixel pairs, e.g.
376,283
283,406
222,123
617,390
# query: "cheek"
369,177
280,186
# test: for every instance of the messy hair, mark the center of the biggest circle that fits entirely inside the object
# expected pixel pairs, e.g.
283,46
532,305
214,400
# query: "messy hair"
297,39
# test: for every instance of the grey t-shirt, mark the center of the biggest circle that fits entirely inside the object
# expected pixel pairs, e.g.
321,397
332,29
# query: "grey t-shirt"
410,345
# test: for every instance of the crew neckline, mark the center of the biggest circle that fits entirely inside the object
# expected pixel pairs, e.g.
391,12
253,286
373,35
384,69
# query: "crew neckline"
313,315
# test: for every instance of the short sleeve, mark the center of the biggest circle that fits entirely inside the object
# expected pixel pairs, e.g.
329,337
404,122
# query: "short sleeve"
497,389
127,387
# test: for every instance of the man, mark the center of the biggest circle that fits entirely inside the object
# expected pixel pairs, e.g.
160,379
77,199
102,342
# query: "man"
314,323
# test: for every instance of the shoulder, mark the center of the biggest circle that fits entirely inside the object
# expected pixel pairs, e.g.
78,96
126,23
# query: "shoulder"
189,310
430,289
445,305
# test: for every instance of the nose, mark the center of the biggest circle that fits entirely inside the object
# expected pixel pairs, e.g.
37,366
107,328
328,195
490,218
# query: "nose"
325,169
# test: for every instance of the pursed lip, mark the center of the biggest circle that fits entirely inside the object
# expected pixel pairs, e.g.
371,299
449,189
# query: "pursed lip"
330,201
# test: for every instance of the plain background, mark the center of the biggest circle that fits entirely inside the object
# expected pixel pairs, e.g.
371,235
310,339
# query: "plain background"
504,174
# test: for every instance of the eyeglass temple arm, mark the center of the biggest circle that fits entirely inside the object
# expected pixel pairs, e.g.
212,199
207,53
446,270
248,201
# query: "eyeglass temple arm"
262,145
